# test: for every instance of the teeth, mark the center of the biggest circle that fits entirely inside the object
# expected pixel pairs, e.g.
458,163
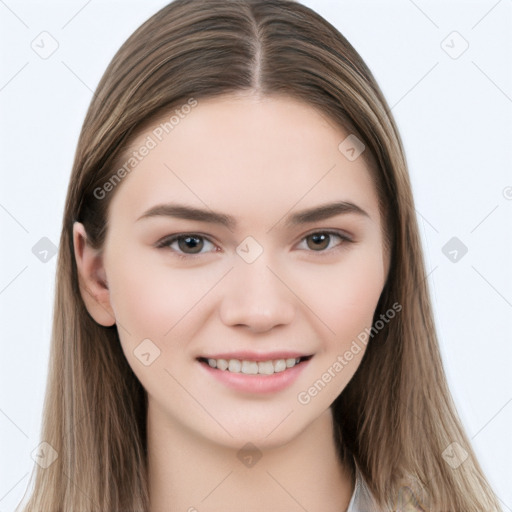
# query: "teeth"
249,367
222,364
279,365
235,365
266,368
291,362
254,367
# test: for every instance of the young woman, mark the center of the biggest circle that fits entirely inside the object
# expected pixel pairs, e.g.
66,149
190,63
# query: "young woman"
242,319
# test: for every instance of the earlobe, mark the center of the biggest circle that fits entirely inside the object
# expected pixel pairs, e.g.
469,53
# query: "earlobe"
92,278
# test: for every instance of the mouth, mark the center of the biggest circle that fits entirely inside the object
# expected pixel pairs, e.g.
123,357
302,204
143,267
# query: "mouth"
255,374
263,367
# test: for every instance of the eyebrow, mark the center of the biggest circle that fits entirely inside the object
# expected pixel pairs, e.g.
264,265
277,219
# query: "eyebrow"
317,213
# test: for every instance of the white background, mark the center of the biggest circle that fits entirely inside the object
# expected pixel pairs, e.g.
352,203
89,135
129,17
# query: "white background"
455,118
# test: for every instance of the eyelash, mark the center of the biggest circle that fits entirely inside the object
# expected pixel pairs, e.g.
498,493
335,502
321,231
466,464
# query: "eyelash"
167,241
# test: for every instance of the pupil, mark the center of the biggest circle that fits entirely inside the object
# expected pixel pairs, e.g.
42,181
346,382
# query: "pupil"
320,238
190,242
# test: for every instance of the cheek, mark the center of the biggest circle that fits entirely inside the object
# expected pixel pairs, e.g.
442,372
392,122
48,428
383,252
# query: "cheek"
137,303
344,297
145,303
152,300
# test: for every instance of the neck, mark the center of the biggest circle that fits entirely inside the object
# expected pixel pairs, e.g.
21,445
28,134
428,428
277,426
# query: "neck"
192,474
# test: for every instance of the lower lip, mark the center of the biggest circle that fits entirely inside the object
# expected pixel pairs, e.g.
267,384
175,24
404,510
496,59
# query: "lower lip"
256,383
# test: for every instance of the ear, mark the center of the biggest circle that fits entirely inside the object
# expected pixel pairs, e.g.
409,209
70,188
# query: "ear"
92,278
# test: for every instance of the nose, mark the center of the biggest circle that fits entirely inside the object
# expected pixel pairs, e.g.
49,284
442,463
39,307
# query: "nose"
257,297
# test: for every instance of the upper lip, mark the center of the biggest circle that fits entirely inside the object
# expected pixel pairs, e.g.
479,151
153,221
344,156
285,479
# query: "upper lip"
257,356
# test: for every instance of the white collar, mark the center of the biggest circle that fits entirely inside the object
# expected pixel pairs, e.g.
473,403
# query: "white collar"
362,499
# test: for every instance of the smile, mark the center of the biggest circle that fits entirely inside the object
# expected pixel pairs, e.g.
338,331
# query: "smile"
254,367
255,374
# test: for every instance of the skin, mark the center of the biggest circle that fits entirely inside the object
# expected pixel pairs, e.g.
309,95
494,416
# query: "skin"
259,159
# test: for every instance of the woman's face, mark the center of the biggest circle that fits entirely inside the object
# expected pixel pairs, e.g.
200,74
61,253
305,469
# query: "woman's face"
261,276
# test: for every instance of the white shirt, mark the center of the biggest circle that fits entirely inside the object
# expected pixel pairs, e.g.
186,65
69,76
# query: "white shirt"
362,499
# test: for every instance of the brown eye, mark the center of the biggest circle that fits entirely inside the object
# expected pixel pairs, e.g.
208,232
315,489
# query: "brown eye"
194,243
319,241
189,244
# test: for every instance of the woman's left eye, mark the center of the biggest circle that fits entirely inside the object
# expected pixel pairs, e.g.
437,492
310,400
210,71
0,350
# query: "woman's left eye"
322,239
320,242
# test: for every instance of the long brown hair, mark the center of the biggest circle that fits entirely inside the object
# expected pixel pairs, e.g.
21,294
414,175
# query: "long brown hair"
395,418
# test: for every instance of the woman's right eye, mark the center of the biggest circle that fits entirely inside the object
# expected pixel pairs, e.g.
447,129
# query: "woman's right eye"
184,242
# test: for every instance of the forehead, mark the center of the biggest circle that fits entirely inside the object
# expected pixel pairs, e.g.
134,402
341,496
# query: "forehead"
243,154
